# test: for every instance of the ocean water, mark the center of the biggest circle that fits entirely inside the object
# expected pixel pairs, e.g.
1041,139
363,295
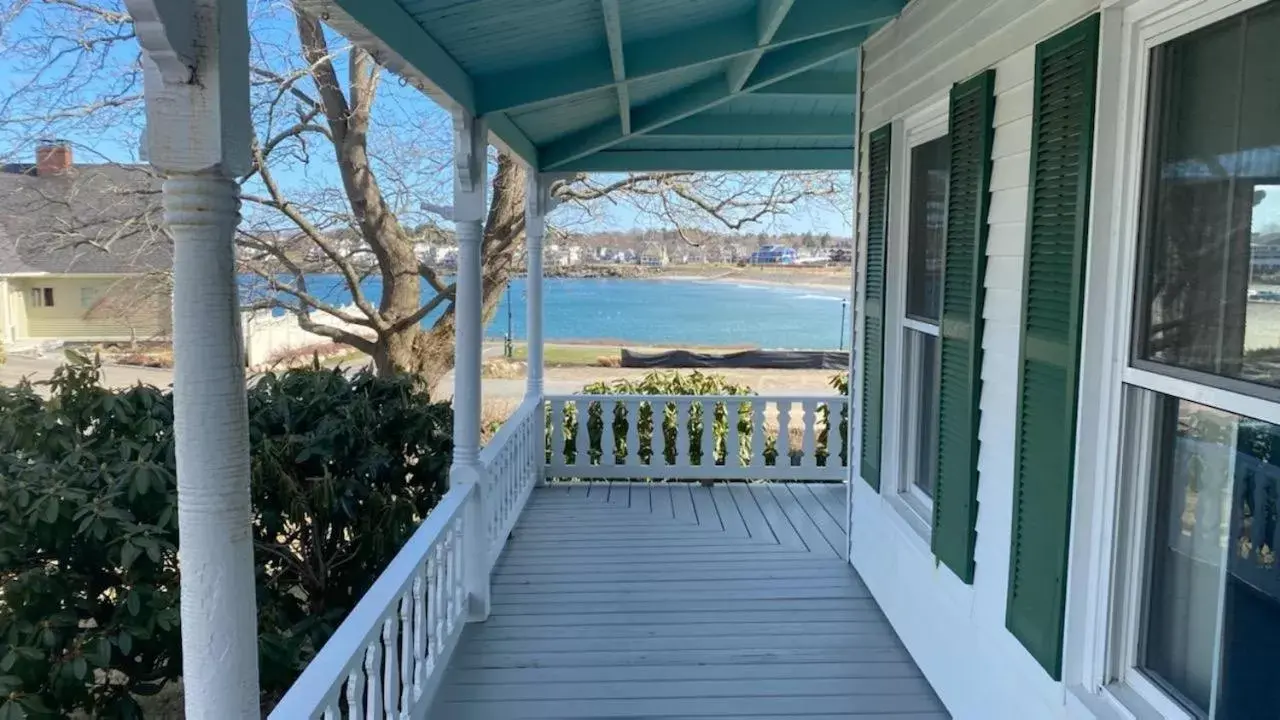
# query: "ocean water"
655,311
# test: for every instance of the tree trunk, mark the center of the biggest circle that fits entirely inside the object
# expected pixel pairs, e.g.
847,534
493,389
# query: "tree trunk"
503,235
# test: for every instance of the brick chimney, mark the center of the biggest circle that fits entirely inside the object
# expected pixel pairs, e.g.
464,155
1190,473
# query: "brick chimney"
53,157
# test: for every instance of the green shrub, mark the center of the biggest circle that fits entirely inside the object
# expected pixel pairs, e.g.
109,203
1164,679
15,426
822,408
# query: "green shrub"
344,467
88,533
840,383
666,383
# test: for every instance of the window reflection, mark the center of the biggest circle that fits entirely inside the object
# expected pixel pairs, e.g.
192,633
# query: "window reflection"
1212,223
1213,609
927,227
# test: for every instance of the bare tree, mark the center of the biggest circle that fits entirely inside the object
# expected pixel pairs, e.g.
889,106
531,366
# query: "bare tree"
350,170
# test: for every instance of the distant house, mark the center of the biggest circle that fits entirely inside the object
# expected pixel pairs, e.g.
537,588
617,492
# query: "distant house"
773,255
654,255
82,254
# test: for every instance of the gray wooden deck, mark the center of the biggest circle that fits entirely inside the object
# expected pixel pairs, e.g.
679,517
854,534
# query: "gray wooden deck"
638,600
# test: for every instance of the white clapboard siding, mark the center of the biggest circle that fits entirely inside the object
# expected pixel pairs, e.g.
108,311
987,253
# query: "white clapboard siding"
947,625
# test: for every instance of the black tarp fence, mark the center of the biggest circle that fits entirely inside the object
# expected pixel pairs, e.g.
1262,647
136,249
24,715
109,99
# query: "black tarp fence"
755,359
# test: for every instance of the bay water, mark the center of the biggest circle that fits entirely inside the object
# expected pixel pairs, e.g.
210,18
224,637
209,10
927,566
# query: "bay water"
655,311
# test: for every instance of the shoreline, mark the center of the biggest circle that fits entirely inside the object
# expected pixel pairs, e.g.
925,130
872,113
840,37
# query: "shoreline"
829,279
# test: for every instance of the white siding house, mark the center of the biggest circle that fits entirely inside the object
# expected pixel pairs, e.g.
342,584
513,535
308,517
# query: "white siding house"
1114,658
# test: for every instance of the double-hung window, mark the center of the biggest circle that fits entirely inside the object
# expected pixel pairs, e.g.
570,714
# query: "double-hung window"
1201,620
926,221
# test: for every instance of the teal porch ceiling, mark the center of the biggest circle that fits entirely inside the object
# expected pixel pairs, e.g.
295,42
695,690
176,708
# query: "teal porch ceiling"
617,85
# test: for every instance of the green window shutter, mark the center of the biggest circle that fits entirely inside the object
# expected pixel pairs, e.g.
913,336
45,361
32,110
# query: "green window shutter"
955,500
1053,291
879,150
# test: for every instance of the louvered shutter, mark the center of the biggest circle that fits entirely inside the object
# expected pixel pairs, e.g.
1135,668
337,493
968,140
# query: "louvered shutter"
879,150
1057,218
955,502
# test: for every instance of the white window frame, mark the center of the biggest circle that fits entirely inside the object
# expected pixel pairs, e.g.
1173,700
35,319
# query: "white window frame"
39,294
1111,527
924,123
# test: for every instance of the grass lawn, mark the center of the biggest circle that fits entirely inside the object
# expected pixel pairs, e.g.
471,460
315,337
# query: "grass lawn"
569,355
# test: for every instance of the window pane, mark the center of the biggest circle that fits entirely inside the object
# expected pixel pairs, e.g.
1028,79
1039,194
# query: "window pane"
930,170
926,454
1214,589
921,450
1212,221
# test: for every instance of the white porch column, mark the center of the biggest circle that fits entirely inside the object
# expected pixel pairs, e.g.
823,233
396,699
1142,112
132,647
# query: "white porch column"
198,134
538,202
470,181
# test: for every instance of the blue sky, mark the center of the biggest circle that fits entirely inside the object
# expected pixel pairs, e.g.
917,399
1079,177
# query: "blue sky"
402,112
401,115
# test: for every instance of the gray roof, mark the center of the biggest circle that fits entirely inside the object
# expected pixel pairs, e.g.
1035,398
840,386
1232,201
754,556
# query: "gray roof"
90,219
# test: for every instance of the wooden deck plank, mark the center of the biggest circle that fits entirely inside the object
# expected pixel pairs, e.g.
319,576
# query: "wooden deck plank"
730,515
757,525
779,525
834,498
705,508
666,673
682,502
851,705
673,600
660,500
687,688
789,512
819,517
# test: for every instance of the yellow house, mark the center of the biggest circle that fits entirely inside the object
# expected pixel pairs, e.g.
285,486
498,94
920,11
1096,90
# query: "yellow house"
82,256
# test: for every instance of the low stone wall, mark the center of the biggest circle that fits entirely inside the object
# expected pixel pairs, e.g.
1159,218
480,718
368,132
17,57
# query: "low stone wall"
267,337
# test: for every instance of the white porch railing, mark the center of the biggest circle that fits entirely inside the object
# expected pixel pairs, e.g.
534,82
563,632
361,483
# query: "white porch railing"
388,656
757,437
512,462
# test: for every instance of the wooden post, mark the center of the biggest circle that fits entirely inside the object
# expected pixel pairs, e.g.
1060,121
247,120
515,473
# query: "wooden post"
196,79
470,182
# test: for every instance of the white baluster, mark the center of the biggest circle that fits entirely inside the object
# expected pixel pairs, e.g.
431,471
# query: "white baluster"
632,456
331,712
683,443
406,649
459,573
757,433
708,434
355,693
559,413
608,454
784,434
433,609
733,437
658,411
808,443
420,630
581,438
390,667
372,672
